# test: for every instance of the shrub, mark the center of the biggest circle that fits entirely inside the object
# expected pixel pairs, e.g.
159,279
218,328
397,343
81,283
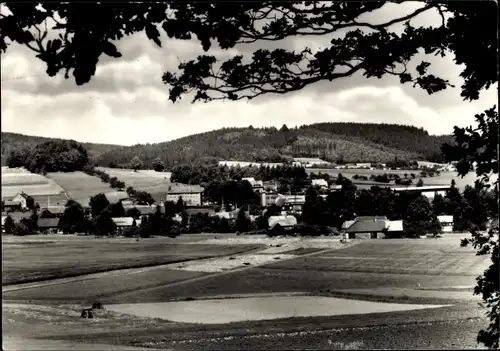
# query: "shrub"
130,232
309,230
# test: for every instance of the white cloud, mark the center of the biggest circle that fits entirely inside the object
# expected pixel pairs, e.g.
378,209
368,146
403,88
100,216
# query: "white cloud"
126,102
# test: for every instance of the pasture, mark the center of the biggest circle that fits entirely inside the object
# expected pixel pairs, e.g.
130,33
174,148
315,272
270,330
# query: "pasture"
80,186
145,180
34,260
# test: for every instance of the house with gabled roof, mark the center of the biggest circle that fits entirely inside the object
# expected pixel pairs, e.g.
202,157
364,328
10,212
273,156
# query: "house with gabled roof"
21,198
376,226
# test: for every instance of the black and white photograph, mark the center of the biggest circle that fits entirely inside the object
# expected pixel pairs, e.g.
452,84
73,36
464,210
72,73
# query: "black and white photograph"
249,175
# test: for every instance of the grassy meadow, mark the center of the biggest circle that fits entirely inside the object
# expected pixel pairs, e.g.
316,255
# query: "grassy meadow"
145,180
79,185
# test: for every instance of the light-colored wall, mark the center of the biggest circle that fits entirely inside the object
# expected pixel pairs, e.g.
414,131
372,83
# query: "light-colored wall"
21,199
190,199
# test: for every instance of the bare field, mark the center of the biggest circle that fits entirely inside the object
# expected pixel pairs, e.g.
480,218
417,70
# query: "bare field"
79,185
57,259
146,180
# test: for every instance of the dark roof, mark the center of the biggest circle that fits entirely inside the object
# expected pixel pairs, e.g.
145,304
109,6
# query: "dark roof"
366,226
145,209
47,223
23,195
54,209
194,210
370,218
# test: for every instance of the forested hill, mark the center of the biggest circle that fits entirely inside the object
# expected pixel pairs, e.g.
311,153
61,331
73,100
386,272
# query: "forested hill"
347,142
13,141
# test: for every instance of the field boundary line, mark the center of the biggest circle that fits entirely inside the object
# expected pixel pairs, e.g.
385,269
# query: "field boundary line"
97,274
219,274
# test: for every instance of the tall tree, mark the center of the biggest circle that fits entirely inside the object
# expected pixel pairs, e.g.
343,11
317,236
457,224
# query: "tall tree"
136,163
9,225
103,225
98,204
158,165
421,218
243,223
72,218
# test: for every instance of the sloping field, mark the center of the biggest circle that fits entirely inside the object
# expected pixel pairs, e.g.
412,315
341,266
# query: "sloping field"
56,259
16,180
146,180
79,185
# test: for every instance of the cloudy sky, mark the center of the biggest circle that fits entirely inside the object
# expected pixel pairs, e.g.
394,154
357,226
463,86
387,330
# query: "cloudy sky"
126,103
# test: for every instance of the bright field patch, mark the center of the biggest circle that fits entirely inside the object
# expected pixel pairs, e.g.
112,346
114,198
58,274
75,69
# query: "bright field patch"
146,180
259,308
16,180
79,185
23,263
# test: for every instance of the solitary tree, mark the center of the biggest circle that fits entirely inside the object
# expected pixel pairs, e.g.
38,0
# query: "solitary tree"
136,163
358,47
158,165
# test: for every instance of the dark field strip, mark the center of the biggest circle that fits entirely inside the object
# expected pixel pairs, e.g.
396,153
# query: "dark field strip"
268,281
89,290
452,265
71,259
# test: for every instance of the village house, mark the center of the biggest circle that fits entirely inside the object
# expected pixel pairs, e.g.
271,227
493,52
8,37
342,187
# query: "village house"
257,185
283,223
446,222
270,186
48,225
191,194
22,199
322,183
125,222
375,226
11,206
52,212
